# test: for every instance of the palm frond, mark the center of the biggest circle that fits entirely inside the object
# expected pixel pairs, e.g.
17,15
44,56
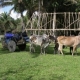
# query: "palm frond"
11,10
4,4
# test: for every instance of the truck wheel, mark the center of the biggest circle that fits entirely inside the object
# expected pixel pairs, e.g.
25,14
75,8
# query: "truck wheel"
22,47
11,46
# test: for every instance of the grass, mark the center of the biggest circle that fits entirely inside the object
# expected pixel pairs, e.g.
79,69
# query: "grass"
21,65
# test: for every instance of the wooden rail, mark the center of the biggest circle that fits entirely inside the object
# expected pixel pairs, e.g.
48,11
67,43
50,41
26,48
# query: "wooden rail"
53,30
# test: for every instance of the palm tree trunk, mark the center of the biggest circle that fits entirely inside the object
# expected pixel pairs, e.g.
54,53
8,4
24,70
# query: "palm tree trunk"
22,22
4,29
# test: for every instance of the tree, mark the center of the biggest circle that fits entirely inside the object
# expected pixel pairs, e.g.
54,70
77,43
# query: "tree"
60,5
17,6
43,6
6,22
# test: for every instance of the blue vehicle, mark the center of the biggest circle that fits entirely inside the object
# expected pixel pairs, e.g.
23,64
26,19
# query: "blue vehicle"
12,40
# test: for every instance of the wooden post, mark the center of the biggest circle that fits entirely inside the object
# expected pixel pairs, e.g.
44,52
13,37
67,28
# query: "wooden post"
54,23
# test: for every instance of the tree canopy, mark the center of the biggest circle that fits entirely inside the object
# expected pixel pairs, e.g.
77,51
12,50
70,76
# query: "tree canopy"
40,6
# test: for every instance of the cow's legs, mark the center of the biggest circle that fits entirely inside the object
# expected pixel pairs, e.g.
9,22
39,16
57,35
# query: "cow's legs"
71,49
60,49
56,48
41,50
44,50
74,48
32,49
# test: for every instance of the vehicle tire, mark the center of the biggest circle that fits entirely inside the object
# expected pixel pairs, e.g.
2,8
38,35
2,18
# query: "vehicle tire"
11,46
22,47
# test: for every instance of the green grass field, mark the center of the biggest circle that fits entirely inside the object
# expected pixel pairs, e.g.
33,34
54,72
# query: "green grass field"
21,65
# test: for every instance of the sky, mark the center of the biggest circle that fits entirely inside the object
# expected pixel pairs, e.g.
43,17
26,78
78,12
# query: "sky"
13,13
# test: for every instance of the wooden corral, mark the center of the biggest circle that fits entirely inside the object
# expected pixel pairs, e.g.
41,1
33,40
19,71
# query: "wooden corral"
66,23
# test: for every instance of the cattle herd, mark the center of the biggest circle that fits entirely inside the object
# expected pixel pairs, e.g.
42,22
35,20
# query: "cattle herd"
60,41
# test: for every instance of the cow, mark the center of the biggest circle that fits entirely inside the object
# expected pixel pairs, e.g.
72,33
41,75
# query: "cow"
54,39
71,41
41,40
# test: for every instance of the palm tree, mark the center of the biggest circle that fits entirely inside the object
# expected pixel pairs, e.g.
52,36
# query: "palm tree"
17,6
6,22
21,5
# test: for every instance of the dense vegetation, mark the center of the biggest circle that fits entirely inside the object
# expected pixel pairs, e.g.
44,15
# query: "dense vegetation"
50,6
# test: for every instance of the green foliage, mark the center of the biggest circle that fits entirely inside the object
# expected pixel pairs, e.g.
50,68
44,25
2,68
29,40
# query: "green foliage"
43,5
7,22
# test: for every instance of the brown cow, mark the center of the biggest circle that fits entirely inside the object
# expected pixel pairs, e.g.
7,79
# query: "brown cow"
71,41
54,38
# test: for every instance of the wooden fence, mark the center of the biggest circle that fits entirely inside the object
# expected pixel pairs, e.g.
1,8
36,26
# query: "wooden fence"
54,22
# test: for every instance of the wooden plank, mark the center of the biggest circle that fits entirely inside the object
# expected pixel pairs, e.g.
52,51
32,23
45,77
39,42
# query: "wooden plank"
54,29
